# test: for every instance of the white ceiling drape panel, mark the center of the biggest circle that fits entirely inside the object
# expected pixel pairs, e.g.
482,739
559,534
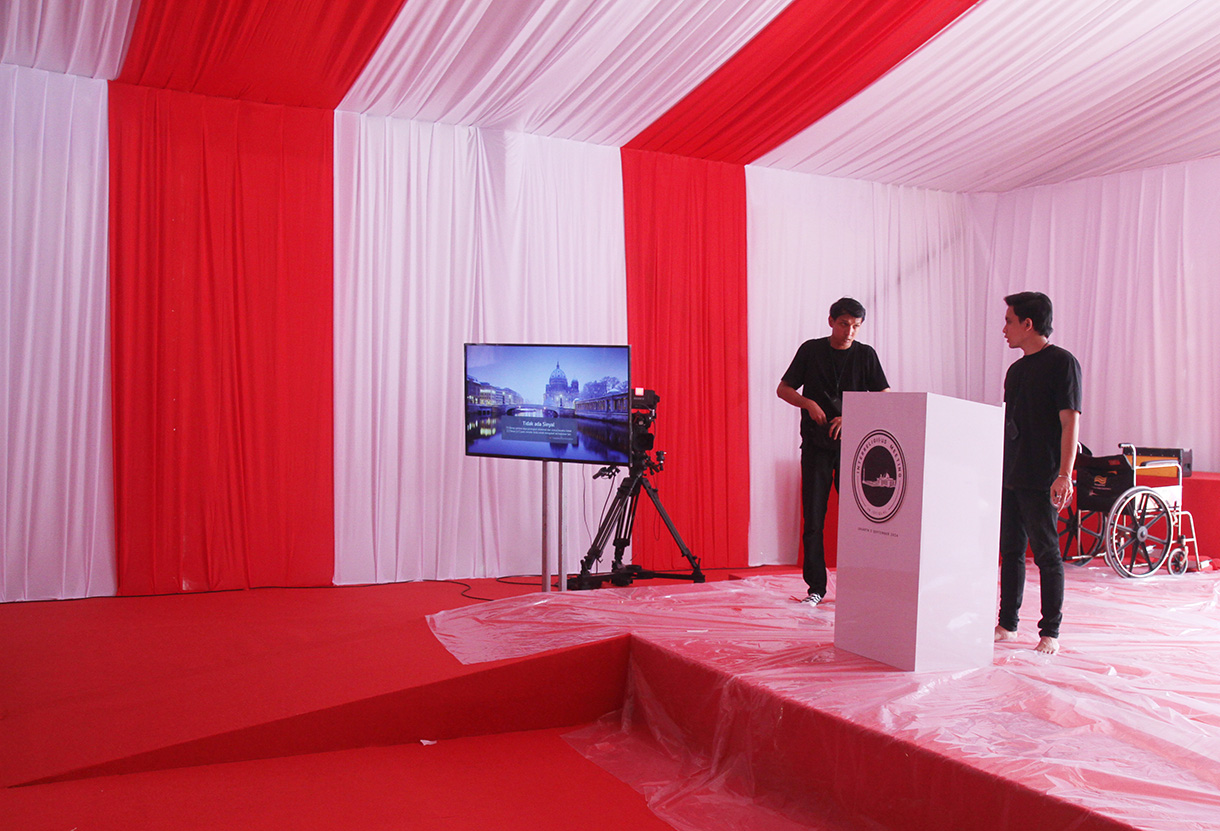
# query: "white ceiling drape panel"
446,235
57,527
1019,93
77,37
911,256
598,71
1132,264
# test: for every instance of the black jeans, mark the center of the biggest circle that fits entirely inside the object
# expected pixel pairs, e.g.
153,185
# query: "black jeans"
1027,516
819,472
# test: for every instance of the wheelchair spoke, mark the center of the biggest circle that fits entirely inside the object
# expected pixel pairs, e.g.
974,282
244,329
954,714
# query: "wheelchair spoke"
1125,544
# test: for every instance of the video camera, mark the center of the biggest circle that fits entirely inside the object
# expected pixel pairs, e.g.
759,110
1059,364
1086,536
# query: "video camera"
643,414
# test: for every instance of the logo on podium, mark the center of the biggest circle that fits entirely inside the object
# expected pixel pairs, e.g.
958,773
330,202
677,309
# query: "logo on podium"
878,476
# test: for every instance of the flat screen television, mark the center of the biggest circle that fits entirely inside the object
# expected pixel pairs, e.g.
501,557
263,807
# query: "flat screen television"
553,402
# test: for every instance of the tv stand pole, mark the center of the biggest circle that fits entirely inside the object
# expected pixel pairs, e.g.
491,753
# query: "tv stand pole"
563,576
546,560
546,552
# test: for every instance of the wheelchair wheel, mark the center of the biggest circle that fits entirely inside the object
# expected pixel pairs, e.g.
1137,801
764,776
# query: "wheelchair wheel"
1178,562
1079,542
1139,531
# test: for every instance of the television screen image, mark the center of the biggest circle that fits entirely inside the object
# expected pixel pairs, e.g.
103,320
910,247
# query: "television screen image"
553,402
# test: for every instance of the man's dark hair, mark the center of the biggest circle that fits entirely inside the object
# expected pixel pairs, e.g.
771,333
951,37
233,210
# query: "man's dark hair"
1033,306
846,306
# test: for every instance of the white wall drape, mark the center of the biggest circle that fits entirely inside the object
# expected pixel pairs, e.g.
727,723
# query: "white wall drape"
57,527
911,256
1130,260
1132,263
446,235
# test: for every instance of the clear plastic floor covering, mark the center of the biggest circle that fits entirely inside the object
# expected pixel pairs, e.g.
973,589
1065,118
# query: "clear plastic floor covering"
1124,721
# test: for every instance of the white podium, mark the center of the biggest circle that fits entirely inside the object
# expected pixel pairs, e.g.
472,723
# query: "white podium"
919,529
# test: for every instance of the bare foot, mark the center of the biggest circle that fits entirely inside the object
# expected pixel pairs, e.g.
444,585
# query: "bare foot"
1002,634
1048,645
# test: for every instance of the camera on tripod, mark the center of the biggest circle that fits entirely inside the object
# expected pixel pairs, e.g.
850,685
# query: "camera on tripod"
619,518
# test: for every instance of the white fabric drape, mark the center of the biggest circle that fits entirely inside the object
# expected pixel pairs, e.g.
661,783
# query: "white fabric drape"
446,235
1132,264
79,37
1028,92
591,70
57,528
911,256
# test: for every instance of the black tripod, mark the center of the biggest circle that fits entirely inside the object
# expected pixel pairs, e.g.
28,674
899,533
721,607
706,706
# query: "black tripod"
618,521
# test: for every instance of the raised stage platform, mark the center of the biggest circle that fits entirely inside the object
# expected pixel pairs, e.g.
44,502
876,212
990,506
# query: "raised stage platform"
740,712
730,709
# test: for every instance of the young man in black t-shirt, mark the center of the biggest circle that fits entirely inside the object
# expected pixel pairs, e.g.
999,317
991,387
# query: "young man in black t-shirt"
1041,429
822,370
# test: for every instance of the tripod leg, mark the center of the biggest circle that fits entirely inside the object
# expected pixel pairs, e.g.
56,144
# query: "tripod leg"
697,574
627,519
610,522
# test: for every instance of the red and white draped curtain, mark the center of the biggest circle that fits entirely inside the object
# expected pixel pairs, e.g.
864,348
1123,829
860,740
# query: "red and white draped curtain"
244,242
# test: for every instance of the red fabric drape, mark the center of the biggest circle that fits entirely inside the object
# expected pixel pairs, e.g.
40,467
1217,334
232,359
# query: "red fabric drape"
811,58
303,53
221,306
686,320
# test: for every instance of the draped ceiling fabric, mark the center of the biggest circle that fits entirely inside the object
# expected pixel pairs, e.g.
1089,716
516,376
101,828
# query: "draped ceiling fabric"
597,71
305,53
814,56
928,155
1020,93
87,38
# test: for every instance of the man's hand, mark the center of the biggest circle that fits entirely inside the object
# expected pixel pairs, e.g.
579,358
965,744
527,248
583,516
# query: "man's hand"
1061,492
815,412
836,427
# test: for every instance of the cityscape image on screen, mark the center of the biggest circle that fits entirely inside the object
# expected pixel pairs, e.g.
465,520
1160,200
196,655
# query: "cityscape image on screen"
554,402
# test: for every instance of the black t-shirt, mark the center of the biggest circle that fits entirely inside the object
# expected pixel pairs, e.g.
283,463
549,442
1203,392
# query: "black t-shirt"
1036,388
822,373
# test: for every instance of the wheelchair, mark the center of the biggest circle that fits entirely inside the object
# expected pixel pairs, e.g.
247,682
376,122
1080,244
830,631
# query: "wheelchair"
1129,508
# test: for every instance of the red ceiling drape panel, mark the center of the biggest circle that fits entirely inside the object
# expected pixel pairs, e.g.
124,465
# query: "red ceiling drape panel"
302,53
811,58
221,302
686,320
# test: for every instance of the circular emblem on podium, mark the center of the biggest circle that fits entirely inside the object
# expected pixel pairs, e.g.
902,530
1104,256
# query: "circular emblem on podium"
878,479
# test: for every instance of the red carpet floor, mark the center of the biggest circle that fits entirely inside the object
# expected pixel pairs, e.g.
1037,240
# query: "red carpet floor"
529,780
294,708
